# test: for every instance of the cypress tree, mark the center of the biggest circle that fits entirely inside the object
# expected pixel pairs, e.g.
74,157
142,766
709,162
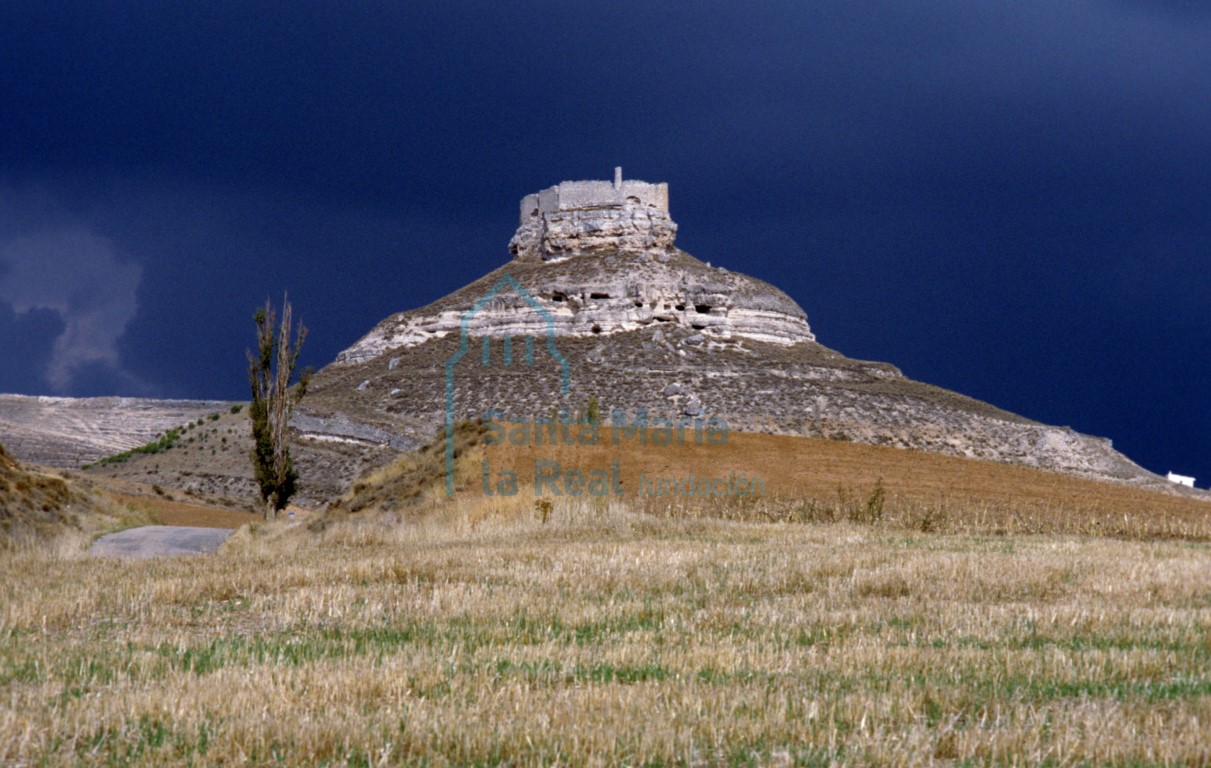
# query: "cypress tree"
269,375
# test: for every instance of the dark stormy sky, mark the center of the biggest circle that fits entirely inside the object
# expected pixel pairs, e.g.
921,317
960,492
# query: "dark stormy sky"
1010,198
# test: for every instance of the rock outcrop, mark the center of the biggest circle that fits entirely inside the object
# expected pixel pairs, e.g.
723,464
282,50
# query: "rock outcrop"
591,259
599,296
584,232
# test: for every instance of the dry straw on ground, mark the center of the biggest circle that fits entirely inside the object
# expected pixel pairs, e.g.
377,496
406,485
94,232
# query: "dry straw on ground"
812,481
609,637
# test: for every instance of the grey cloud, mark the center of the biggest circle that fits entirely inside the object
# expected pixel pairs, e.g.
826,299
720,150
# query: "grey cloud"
77,275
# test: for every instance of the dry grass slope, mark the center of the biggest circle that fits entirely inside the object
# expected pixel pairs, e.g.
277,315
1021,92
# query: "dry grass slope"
821,624
28,498
802,480
415,479
40,508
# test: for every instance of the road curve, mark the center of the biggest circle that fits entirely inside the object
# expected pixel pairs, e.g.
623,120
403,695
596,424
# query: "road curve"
160,541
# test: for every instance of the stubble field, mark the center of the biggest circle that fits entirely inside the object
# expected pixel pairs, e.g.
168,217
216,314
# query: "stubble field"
610,637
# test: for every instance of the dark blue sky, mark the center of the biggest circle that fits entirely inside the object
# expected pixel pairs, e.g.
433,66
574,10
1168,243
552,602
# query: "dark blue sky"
1007,198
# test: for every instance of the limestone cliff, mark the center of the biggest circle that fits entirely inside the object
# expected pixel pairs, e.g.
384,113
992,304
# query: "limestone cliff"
630,228
602,295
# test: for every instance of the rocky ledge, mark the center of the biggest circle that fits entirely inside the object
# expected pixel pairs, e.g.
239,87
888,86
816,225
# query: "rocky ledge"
599,296
594,231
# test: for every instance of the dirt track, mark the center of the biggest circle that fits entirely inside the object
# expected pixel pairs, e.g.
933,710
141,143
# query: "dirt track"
160,541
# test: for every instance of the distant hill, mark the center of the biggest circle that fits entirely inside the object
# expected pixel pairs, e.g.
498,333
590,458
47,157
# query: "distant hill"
211,458
69,432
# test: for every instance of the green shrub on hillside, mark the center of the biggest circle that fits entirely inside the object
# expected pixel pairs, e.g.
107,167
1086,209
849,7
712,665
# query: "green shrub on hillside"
165,441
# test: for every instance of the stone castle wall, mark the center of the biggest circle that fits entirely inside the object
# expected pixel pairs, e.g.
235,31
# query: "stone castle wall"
579,218
586,195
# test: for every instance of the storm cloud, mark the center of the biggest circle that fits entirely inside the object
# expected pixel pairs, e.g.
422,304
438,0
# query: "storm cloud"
1010,199
73,283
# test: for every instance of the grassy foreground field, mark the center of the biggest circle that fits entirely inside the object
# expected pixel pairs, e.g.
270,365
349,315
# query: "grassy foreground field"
606,637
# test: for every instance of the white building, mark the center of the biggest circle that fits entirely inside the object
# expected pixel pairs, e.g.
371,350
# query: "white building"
1180,480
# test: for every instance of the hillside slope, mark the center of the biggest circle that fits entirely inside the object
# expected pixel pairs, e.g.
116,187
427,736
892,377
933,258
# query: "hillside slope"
397,380
780,478
38,504
212,458
69,432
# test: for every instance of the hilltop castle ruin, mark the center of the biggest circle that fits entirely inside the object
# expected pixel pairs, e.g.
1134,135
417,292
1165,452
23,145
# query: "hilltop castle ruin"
583,195
575,218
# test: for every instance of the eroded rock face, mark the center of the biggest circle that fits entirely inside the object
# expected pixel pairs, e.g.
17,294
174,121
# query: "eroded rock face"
636,229
599,296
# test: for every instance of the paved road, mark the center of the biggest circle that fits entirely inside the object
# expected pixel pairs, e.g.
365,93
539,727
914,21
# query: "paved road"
160,541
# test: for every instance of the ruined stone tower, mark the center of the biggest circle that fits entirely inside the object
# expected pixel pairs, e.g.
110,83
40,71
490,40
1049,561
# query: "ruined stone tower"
576,218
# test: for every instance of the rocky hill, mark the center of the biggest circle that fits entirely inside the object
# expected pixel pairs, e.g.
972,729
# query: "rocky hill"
212,460
597,310
210,457
598,295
